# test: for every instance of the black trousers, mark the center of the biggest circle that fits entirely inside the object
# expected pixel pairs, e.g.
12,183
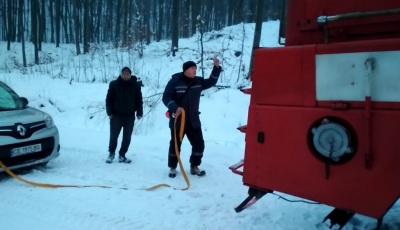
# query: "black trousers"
195,137
116,124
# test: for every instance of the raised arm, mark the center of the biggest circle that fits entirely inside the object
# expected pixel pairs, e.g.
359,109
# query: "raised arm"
212,80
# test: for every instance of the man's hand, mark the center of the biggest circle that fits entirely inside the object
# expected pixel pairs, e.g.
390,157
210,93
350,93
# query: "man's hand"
178,111
138,117
216,62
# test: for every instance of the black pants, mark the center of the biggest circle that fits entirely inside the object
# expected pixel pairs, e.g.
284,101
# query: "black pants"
195,137
116,124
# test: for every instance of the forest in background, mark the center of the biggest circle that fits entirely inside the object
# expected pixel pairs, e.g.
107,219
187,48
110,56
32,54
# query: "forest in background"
122,23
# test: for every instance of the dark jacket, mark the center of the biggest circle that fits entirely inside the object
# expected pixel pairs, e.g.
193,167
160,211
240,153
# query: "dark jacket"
190,102
124,98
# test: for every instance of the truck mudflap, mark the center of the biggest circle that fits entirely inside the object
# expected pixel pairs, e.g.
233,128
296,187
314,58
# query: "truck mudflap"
341,217
254,196
338,217
254,193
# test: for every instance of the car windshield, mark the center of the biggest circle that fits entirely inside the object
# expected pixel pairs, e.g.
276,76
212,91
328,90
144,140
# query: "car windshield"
9,100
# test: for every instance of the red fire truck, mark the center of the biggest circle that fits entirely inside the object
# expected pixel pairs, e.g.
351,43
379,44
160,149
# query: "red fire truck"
324,114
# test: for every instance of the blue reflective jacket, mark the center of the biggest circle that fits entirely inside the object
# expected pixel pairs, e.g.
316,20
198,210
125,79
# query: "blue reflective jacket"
177,86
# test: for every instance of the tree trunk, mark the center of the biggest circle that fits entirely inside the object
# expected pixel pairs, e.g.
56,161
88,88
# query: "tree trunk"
34,29
196,6
154,20
108,34
186,26
10,23
201,32
70,24
147,21
64,17
86,27
76,24
207,13
174,27
58,21
42,23
257,32
118,23
21,30
161,8
253,9
238,12
231,6
99,22
125,20
19,19
51,15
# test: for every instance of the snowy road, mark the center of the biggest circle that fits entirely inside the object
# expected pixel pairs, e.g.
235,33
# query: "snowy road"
207,205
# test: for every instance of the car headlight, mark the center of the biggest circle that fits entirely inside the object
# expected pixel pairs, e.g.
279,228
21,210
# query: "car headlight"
49,121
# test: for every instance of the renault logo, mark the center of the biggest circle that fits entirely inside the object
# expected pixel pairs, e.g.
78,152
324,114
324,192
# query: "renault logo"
21,130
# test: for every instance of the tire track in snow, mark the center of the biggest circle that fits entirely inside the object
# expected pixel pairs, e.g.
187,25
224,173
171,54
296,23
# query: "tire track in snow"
41,210
57,205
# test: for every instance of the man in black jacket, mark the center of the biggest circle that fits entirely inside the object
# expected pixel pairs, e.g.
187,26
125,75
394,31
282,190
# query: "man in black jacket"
183,93
124,99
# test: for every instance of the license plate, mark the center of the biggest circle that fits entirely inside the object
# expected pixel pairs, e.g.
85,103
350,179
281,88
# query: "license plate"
26,150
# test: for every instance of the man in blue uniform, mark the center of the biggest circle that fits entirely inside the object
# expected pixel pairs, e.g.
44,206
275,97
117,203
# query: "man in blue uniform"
183,93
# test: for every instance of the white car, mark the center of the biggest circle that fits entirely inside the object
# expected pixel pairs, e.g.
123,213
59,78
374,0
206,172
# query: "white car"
28,136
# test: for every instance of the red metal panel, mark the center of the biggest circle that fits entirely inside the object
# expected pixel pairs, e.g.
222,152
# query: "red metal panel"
282,109
285,163
302,27
284,76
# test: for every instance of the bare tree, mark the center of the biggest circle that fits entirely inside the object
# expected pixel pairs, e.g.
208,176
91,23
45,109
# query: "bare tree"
200,29
66,22
146,21
10,26
196,7
21,30
257,32
42,23
87,21
174,27
208,13
99,21
76,24
86,27
58,21
108,30
160,21
238,12
3,32
117,23
230,13
185,20
125,22
34,28
51,15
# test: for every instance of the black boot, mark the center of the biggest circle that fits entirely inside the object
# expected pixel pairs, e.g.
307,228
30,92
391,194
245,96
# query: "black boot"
110,158
172,172
194,170
123,159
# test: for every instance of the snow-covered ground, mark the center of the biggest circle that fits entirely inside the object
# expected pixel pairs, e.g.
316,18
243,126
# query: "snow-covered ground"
72,89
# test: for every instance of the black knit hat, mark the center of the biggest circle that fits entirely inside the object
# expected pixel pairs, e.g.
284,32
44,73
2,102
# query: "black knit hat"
126,69
187,65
